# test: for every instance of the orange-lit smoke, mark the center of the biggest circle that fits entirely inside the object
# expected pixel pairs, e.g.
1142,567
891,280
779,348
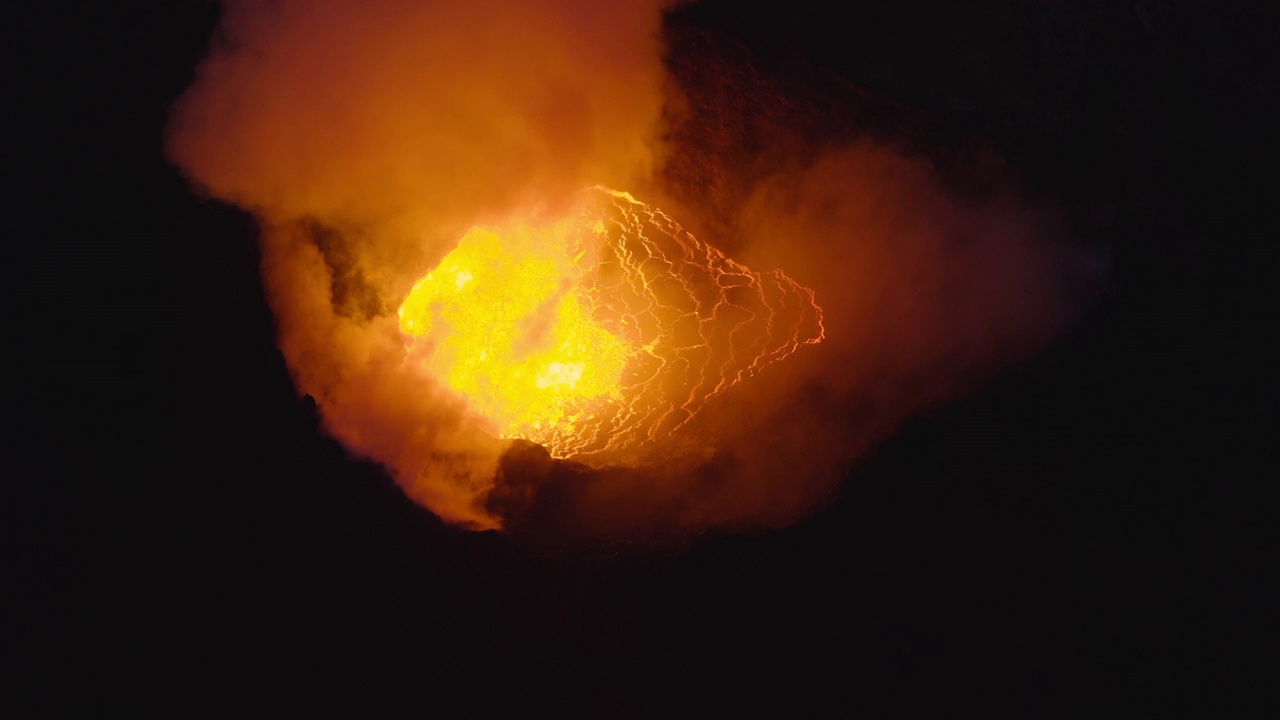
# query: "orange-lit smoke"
374,140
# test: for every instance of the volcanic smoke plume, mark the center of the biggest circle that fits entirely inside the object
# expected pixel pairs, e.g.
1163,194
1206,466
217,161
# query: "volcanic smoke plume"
491,266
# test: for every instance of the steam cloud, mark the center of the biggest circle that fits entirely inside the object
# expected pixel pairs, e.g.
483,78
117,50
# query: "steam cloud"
368,137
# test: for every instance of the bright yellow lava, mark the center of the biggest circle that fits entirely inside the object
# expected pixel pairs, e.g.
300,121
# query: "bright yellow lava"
508,325
602,332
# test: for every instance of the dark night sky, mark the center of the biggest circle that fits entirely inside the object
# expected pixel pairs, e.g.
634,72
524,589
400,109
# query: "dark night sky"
1088,535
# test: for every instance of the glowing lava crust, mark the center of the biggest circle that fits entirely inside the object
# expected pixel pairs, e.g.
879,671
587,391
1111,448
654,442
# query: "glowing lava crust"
603,332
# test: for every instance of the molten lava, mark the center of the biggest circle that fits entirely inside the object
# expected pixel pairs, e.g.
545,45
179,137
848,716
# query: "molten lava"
604,331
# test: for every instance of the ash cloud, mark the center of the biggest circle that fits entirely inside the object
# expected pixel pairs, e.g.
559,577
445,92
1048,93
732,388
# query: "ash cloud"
368,137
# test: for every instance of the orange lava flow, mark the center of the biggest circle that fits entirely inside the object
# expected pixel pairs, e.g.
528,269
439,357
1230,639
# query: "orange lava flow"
604,331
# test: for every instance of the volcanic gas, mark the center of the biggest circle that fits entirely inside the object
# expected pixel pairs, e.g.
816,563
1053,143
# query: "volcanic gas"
603,331
451,296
